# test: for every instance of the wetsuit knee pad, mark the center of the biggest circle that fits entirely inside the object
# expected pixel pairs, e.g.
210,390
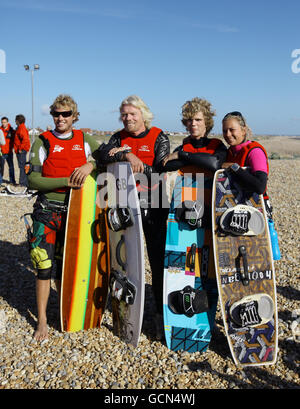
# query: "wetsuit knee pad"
44,274
40,259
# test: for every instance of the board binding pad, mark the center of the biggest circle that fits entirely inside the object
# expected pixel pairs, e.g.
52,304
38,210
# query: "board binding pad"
245,275
86,262
127,284
190,289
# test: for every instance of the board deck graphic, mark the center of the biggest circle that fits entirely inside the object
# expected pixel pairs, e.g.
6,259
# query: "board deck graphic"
182,332
244,267
86,263
127,256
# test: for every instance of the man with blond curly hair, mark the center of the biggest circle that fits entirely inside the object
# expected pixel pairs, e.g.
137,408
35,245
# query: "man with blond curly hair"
198,148
193,107
58,162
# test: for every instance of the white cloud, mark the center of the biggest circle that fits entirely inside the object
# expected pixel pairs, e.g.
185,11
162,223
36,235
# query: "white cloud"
58,7
45,110
216,27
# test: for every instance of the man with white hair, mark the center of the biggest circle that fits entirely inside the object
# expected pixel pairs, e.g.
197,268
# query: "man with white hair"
144,147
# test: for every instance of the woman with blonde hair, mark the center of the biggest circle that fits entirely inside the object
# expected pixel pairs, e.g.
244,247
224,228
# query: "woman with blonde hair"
249,161
243,152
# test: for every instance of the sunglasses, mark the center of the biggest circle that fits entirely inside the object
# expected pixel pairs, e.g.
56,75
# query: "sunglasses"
235,113
64,114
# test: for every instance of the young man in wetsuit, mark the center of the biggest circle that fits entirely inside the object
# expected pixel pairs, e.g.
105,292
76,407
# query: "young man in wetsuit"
200,154
144,147
58,162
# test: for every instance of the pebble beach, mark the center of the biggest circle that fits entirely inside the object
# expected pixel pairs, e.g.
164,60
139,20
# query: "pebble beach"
97,359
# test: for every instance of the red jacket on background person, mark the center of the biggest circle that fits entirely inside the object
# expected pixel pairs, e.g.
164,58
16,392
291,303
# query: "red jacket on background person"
21,140
9,141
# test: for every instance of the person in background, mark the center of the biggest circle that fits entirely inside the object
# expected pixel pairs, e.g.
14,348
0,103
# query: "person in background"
2,143
58,162
2,139
21,147
144,147
7,150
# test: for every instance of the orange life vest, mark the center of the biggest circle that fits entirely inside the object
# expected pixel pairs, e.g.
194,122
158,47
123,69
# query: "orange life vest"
64,155
143,147
9,142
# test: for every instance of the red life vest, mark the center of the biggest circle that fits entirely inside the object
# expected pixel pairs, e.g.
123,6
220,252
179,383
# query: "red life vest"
143,147
241,157
64,155
9,142
211,148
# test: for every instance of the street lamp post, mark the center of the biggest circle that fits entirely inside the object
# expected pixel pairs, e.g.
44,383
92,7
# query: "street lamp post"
35,68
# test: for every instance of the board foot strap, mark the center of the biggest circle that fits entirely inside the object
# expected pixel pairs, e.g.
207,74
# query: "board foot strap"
119,218
191,212
243,219
121,288
252,310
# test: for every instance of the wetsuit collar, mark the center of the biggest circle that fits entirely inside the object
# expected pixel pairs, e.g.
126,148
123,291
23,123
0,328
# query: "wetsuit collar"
238,148
141,135
199,143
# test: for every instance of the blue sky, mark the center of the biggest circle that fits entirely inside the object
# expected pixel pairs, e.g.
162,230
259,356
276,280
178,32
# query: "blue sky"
236,54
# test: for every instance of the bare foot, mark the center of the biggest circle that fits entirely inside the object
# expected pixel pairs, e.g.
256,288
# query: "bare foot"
41,332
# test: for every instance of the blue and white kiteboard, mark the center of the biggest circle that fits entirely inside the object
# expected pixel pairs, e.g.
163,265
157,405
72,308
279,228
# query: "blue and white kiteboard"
190,288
